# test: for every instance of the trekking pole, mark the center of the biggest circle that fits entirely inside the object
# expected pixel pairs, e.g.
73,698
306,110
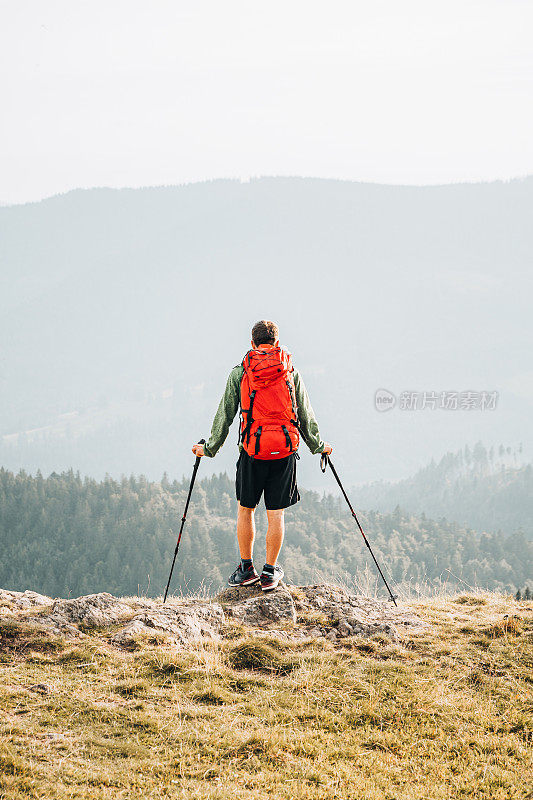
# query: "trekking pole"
195,470
324,461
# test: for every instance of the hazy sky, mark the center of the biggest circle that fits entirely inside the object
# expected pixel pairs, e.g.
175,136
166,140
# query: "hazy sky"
130,93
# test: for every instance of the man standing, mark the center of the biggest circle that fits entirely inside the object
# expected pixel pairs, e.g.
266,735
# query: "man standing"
274,410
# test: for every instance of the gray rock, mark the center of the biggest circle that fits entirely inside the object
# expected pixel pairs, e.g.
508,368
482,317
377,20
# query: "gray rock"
18,600
344,628
186,621
319,610
370,629
92,611
234,594
354,615
345,614
127,635
266,609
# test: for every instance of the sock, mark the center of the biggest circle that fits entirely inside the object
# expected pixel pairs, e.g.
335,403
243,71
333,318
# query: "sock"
268,568
246,563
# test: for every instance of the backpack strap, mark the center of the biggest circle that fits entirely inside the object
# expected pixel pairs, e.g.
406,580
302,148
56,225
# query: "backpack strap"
298,428
242,411
290,387
288,439
257,435
249,418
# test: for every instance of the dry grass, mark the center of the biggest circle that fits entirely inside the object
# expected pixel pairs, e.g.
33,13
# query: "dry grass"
441,715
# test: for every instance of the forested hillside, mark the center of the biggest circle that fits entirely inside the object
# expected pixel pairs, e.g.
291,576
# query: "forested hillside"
65,535
487,489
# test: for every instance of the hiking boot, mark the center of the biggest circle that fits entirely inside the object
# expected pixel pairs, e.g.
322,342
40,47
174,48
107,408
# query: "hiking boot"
243,577
269,580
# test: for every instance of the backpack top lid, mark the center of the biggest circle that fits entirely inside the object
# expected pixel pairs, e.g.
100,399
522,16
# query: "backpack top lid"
266,364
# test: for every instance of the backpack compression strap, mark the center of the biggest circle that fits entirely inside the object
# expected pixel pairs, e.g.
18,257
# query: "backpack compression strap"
257,435
288,439
249,418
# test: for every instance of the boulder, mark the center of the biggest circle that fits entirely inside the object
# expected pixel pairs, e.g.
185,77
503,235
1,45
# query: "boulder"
269,608
186,621
19,600
91,611
347,614
233,594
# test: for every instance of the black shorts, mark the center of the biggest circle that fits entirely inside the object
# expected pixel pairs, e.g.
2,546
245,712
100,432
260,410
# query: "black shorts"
276,477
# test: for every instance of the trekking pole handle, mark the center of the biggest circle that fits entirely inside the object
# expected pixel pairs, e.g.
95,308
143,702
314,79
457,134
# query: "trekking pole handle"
197,462
324,458
195,470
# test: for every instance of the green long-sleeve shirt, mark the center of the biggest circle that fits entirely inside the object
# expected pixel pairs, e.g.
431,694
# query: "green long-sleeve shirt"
229,406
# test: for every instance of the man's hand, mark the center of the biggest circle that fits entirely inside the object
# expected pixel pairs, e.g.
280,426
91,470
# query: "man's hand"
328,449
198,450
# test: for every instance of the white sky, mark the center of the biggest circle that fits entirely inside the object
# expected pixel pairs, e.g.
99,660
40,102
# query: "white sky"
130,93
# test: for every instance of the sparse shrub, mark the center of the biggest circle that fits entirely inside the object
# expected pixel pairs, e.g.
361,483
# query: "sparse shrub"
523,727
366,645
212,697
316,618
18,636
476,678
259,655
78,656
118,748
131,688
460,702
161,665
508,626
470,600
11,764
242,683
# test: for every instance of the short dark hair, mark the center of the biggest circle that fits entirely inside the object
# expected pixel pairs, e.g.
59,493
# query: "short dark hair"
265,332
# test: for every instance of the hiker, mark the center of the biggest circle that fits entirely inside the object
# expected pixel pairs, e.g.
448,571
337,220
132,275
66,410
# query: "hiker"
274,410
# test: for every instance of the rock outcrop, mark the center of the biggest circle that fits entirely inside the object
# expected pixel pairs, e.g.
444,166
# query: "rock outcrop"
293,612
185,621
258,609
15,601
318,610
91,611
347,614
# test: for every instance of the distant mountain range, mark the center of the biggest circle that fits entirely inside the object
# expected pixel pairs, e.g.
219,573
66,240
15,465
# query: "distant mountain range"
122,311
489,490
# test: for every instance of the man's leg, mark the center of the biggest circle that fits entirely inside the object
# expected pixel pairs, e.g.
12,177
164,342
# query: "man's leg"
275,532
246,531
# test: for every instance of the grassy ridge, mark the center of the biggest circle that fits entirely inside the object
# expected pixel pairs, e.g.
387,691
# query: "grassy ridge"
442,714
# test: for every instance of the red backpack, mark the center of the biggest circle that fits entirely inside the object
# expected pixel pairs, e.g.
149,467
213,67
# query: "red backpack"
269,415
